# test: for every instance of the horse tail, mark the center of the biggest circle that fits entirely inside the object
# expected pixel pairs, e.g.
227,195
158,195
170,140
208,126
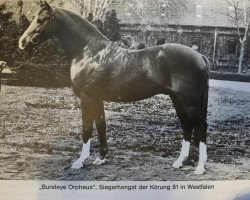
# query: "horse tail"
206,62
205,89
204,98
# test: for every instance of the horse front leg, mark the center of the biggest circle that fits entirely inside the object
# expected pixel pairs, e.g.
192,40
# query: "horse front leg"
87,130
101,129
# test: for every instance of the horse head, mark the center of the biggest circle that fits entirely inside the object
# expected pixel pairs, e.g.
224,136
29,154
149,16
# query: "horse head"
41,27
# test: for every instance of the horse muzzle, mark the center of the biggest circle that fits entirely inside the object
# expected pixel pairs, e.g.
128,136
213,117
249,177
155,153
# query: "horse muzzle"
22,43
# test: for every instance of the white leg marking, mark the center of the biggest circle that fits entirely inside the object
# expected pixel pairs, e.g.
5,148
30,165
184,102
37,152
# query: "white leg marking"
98,161
200,169
183,155
84,155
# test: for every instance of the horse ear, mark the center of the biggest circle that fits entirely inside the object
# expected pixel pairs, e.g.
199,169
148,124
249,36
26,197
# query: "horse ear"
44,4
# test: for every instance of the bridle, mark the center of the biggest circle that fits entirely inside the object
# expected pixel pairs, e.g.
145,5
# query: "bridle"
51,20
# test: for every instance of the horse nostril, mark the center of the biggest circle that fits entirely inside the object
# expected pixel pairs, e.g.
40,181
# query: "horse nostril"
22,42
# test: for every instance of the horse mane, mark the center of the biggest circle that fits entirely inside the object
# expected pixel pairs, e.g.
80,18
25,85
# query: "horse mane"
82,23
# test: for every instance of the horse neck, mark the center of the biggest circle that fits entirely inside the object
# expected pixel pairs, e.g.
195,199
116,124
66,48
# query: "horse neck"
74,32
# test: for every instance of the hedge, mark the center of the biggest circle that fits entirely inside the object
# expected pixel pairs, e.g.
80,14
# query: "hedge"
51,75
229,76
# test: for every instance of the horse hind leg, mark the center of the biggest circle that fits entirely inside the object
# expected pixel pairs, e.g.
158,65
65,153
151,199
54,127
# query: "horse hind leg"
199,118
187,127
200,132
101,129
192,112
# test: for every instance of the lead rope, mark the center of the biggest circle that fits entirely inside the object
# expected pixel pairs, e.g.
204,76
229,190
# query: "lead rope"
14,68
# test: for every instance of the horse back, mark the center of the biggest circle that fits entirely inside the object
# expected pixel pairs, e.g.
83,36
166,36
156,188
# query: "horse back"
117,73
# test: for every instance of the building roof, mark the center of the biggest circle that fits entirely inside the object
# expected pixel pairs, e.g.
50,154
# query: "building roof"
188,12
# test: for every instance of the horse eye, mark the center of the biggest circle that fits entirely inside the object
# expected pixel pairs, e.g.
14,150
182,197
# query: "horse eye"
40,21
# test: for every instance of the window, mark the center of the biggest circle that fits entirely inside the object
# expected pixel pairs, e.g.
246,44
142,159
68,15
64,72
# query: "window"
195,44
195,47
232,47
160,41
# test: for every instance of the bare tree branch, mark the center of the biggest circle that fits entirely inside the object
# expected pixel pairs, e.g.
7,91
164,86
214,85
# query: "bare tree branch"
241,19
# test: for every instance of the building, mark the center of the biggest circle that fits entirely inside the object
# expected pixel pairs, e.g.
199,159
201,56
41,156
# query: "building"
204,25
201,24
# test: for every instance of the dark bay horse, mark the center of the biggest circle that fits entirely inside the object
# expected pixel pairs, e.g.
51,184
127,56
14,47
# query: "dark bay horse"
103,71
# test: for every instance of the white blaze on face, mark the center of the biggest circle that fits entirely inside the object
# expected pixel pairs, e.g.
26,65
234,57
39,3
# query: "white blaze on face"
26,37
183,154
84,155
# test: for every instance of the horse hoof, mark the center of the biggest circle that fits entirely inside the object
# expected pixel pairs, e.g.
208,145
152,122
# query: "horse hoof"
77,165
99,161
177,165
199,170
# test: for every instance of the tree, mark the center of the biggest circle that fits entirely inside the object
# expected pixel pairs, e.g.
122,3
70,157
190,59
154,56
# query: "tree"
90,17
111,26
23,23
20,7
21,27
98,8
8,34
169,10
99,25
239,15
